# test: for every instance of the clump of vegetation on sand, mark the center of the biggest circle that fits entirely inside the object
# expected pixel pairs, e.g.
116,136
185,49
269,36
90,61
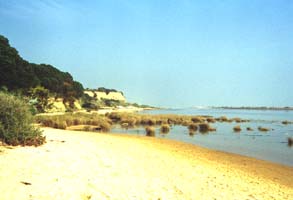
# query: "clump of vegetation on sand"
165,128
192,127
203,127
16,120
150,131
98,122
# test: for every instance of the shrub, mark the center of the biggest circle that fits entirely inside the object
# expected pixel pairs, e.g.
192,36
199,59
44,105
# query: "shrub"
165,128
16,123
237,128
150,131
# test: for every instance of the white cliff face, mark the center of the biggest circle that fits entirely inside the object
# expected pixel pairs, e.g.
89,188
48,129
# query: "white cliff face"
103,95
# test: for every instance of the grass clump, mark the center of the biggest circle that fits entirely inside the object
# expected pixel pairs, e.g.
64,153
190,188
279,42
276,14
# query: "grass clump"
249,129
222,119
211,120
150,131
193,127
101,123
290,141
263,129
16,123
204,127
165,128
286,122
237,128
197,119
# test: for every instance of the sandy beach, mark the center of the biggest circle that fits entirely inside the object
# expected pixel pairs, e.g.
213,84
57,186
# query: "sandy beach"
84,165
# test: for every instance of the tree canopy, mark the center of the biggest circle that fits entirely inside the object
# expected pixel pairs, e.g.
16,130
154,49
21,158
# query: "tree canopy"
18,74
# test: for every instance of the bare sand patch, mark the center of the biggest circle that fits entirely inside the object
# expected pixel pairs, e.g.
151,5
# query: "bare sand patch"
84,165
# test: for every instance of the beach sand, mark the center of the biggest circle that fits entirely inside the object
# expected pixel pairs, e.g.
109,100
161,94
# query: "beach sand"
84,165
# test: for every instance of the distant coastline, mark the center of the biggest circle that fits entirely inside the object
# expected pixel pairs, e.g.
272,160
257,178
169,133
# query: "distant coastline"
255,108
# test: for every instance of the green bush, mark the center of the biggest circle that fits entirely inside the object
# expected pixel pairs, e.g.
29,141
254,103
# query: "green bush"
16,123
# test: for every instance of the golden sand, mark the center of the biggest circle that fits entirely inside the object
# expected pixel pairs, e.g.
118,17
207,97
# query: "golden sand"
84,165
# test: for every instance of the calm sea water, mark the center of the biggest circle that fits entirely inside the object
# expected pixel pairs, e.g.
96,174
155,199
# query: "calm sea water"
271,145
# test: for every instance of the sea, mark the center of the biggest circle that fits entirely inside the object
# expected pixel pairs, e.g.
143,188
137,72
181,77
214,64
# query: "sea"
271,146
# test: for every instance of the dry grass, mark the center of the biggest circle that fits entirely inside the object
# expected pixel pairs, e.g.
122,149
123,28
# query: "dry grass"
130,120
263,129
193,127
150,131
67,120
204,127
165,128
237,128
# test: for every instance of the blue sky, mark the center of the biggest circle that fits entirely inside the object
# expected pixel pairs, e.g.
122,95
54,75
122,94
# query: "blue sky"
174,53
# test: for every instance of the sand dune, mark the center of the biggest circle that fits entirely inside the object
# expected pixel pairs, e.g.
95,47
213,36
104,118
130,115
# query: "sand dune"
83,165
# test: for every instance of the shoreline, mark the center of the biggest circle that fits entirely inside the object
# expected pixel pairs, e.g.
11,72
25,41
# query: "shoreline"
87,165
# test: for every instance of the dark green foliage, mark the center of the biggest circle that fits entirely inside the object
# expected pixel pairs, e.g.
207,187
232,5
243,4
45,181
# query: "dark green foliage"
16,123
16,73
41,97
107,91
111,102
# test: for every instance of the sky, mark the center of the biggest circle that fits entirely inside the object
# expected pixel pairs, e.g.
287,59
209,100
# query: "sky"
171,53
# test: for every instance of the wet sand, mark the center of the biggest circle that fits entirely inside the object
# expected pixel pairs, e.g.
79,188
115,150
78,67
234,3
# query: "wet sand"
84,165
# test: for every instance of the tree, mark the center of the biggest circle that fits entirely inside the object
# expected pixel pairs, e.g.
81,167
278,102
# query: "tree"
41,97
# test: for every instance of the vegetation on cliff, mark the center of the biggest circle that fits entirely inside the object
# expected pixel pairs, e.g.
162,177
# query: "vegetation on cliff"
17,74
